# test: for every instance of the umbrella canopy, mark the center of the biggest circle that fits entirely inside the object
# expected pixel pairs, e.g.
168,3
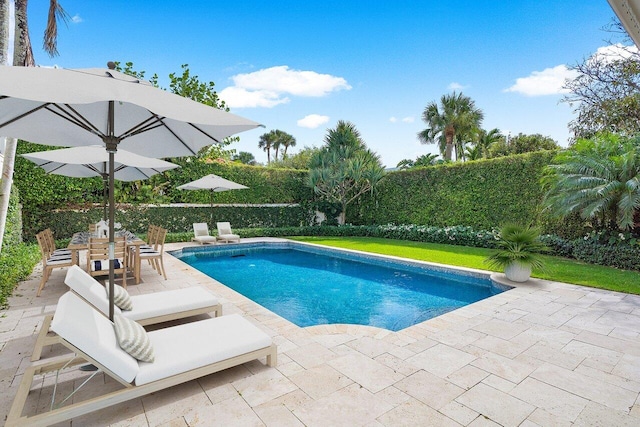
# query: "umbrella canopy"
213,183
91,161
104,107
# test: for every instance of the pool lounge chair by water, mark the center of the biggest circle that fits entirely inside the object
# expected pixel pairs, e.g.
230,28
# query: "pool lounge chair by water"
224,232
148,309
201,233
181,355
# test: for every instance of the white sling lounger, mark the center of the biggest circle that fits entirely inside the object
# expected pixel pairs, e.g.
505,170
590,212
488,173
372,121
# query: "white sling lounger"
182,353
148,309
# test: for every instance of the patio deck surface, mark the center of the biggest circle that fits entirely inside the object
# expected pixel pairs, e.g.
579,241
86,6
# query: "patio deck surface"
542,354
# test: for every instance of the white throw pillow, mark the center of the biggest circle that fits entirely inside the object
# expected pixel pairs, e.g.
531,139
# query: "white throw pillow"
133,339
121,297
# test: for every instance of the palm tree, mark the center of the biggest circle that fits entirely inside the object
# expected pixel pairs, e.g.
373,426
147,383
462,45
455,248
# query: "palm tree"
485,139
285,140
600,179
450,123
22,56
266,142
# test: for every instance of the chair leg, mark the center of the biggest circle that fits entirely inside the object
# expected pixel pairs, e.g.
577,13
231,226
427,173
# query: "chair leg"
162,268
45,276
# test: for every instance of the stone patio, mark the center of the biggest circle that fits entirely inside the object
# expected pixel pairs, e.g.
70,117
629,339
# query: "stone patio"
541,354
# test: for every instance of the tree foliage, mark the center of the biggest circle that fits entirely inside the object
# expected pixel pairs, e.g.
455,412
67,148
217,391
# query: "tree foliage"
299,160
606,91
421,161
244,157
520,144
599,178
344,168
451,124
274,140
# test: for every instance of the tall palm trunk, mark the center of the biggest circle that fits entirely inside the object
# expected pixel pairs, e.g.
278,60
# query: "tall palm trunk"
9,145
449,134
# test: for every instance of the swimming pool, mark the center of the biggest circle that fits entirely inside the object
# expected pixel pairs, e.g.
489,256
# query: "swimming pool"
308,285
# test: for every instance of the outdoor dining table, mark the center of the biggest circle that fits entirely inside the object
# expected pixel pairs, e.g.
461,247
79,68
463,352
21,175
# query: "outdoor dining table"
80,241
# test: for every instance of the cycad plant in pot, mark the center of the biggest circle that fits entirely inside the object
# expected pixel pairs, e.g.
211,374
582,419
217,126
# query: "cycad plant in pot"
519,249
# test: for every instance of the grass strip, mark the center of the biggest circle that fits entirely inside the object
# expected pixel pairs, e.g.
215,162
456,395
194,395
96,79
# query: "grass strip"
556,268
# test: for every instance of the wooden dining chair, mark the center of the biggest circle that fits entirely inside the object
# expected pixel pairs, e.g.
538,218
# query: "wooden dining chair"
50,260
98,257
154,256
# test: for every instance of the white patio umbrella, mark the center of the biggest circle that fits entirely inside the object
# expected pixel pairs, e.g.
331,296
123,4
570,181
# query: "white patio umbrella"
92,161
213,183
107,108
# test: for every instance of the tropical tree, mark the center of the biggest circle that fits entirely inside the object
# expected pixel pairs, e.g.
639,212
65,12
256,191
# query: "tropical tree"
244,157
424,160
520,144
299,160
485,139
285,141
598,178
273,140
450,124
266,143
606,91
344,168
22,56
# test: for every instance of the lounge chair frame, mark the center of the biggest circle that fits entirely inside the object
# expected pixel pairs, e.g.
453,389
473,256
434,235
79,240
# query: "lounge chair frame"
15,417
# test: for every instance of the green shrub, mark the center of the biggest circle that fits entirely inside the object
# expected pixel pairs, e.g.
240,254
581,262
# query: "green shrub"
16,264
603,249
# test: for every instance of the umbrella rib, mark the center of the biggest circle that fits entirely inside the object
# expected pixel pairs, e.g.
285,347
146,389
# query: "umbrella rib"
76,118
204,133
15,119
148,124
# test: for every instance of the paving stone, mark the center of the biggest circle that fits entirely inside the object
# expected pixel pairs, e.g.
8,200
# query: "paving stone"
598,415
555,401
586,387
367,372
509,369
459,413
320,381
415,413
429,389
496,405
441,360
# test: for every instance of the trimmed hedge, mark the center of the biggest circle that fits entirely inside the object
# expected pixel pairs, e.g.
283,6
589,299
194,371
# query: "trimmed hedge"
137,218
483,194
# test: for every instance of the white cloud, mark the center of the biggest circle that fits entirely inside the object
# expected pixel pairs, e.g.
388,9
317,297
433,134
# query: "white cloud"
268,87
237,97
456,86
614,52
549,81
76,19
312,121
408,119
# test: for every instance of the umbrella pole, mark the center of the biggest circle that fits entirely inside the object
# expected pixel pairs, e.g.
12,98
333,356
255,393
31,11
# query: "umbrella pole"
112,147
105,190
211,207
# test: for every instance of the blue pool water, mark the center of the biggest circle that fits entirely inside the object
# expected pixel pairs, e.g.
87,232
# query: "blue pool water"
316,286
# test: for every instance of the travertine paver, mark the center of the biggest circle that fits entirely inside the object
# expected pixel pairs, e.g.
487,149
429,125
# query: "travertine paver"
541,354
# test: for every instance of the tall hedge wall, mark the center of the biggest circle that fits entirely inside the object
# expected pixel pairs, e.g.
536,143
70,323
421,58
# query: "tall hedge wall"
13,228
482,194
177,219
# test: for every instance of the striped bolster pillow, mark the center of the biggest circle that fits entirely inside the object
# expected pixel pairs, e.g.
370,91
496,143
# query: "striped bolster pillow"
133,339
99,265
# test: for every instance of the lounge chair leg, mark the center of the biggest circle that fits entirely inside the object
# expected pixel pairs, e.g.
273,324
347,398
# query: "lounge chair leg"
41,340
272,357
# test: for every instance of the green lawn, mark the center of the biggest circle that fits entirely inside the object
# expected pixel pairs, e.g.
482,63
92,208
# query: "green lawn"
558,269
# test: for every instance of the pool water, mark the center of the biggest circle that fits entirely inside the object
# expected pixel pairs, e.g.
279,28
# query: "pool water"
314,287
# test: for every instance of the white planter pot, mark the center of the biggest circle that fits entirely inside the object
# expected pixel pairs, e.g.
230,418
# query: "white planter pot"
518,272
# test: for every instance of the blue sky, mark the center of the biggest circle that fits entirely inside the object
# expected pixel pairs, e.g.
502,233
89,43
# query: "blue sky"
300,66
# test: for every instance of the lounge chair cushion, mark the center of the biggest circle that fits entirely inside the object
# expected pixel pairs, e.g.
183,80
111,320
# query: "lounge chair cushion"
192,345
84,327
89,289
156,304
228,237
121,297
205,239
133,339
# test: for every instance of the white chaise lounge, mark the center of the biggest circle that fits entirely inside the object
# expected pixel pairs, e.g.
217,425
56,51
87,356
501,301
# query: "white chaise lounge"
182,353
201,233
224,232
147,309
